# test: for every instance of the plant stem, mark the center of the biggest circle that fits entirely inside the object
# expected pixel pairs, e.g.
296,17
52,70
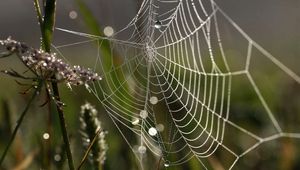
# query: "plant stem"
89,149
20,120
63,127
48,24
47,28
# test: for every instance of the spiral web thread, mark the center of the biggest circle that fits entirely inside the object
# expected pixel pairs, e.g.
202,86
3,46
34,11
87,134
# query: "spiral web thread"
175,74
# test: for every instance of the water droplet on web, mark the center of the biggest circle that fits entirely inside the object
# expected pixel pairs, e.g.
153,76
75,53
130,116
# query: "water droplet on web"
135,121
142,149
73,14
144,114
46,136
153,100
152,131
88,140
167,164
158,24
108,31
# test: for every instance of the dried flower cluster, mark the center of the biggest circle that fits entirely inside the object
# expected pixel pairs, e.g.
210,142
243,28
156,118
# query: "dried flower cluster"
47,65
90,125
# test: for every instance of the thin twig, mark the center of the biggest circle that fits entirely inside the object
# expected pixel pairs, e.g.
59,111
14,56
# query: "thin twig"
20,120
89,149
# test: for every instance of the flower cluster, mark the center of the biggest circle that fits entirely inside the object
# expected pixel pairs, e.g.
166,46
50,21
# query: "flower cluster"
90,125
48,65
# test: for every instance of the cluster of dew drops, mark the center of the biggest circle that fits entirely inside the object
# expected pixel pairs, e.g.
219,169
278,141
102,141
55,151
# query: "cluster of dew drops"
152,131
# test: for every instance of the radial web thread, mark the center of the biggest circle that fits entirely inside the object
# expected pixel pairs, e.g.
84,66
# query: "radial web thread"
171,85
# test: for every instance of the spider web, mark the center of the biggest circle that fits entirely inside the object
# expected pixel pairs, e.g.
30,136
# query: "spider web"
169,82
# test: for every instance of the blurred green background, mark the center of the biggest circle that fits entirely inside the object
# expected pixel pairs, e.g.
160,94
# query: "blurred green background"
272,23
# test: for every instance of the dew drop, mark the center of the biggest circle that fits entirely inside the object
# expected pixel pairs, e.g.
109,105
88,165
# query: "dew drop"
157,24
73,14
108,31
142,149
153,100
135,121
152,131
144,114
46,136
166,164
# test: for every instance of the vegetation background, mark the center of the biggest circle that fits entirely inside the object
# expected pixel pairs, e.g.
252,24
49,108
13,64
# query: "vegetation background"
273,23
